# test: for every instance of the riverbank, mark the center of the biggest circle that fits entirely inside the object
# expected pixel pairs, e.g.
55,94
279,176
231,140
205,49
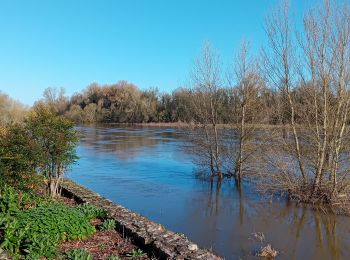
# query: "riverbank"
33,226
151,237
184,125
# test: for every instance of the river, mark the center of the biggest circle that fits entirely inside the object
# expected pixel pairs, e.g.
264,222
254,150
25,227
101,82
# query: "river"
146,169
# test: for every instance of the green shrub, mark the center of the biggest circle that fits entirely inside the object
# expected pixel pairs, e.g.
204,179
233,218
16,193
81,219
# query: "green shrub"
108,224
13,235
136,253
57,139
9,201
78,254
113,257
36,232
18,153
43,146
92,212
12,200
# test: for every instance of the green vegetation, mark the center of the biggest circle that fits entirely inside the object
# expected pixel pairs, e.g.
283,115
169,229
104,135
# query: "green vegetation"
91,212
13,201
112,257
108,224
37,151
18,158
78,254
34,154
56,140
136,253
32,227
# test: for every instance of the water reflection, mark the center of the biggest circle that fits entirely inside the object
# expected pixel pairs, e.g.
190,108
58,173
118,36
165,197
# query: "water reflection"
233,217
126,143
146,170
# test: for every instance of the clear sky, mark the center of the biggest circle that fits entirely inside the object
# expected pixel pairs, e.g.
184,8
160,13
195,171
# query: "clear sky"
152,43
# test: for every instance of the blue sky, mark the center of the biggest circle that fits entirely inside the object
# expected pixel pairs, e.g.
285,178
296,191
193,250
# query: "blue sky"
152,43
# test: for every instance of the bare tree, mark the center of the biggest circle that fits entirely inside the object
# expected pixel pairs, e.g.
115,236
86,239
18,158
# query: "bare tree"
318,117
327,45
55,99
280,66
246,109
207,80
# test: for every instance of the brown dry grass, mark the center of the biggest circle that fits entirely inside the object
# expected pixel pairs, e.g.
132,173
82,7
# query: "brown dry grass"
267,252
67,201
102,244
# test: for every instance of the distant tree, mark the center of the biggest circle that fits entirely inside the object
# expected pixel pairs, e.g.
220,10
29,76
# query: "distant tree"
164,108
11,111
181,105
55,99
150,103
75,113
89,113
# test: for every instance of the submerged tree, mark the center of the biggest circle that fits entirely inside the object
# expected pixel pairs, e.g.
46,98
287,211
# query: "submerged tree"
206,104
246,110
318,119
280,69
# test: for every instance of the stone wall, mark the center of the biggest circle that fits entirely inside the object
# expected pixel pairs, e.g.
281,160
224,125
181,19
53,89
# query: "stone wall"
149,236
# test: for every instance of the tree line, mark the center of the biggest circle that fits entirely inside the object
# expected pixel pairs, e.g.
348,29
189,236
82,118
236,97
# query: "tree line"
124,102
11,110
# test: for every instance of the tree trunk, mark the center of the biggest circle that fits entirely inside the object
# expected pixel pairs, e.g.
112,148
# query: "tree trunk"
296,138
239,161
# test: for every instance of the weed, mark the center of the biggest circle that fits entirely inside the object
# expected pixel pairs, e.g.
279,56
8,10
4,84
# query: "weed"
267,252
136,253
108,224
92,212
113,257
36,232
78,254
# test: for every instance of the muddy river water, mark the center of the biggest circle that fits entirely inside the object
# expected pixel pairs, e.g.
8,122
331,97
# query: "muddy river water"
147,170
